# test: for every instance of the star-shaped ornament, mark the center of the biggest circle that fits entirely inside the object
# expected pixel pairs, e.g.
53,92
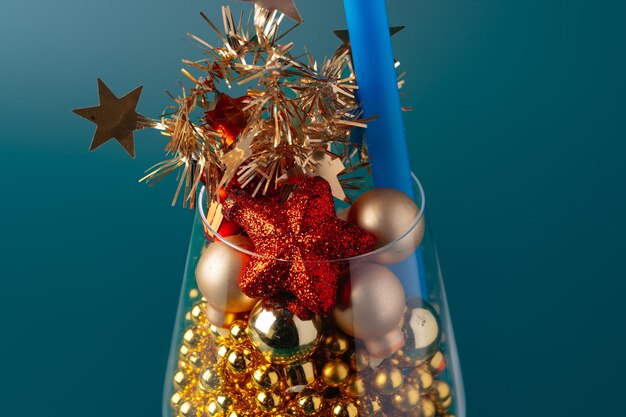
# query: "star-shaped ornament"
305,232
326,166
116,118
287,7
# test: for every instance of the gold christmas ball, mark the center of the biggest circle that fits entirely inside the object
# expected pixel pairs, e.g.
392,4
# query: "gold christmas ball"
182,379
194,337
175,401
238,360
225,402
440,391
335,372
197,313
187,409
268,401
336,343
387,380
300,373
437,363
376,308
427,408
359,359
280,335
356,386
391,216
422,329
309,402
266,377
210,380
407,398
345,409
370,405
213,409
443,405
223,350
238,331
218,271
423,378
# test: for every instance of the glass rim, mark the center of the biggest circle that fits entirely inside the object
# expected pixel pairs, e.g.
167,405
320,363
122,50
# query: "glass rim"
201,211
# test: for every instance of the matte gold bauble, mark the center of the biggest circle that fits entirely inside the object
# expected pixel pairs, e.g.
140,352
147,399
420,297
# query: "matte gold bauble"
388,380
266,377
268,401
389,215
344,409
422,329
335,372
218,271
280,335
406,399
376,308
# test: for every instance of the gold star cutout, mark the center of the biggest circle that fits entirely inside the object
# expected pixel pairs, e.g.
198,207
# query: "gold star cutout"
116,118
233,159
287,7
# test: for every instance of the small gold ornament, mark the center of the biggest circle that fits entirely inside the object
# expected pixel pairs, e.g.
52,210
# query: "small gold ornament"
194,337
422,330
280,335
223,350
356,386
309,402
225,402
213,409
210,380
187,409
389,215
388,380
195,360
268,401
440,392
176,400
300,373
266,377
238,331
197,313
423,378
336,343
345,409
360,360
238,360
370,405
407,398
437,363
427,408
182,379
443,405
335,372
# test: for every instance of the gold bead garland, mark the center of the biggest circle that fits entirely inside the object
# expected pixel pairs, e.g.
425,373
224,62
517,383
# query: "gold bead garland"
221,374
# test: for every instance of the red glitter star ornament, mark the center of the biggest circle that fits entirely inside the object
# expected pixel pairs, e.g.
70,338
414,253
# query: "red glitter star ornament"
303,230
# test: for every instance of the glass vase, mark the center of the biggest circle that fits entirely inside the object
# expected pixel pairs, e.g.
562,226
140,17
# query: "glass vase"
387,349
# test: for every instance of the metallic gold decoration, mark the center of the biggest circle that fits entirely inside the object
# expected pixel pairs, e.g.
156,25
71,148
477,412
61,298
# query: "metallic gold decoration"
198,313
218,271
268,401
116,118
335,372
422,329
238,360
287,7
266,377
336,343
213,409
182,379
387,380
309,402
280,335
441,391
427,408
187,409
407,398
389,215
356,386
423,378
194,337
370,405
376,308
176,400
437,363
210,380
300,373
359,360
442,406
344,409
238,331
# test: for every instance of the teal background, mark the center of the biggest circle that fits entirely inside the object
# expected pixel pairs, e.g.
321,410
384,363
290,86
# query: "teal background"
517,133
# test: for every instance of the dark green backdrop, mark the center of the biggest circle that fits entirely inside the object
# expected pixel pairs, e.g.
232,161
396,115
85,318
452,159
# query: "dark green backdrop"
517,134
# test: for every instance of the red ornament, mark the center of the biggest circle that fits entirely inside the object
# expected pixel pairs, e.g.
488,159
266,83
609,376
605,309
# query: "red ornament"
303,230
228,117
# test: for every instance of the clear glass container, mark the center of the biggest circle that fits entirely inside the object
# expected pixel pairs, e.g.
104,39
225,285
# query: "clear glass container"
387,349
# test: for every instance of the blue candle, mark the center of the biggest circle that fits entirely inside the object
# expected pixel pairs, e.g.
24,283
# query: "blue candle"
378,91
376,76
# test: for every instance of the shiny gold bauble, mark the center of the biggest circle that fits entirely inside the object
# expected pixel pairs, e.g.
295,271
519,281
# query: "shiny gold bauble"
344,409
223,350
407,398
441,391
182,379
360,360
387,380
197,313
194,337
356,386
437,363
443,405
370,405
310,402
210,380
376,308
237,331
213,409
176,400
422,329
335,372
391,216
187,409
225,402
300,373
427,408
238,360
268,401
280,335
423,378
266,377
336,343
218,271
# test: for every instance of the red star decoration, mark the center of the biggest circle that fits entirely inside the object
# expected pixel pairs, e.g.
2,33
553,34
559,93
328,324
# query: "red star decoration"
228,117
303,230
